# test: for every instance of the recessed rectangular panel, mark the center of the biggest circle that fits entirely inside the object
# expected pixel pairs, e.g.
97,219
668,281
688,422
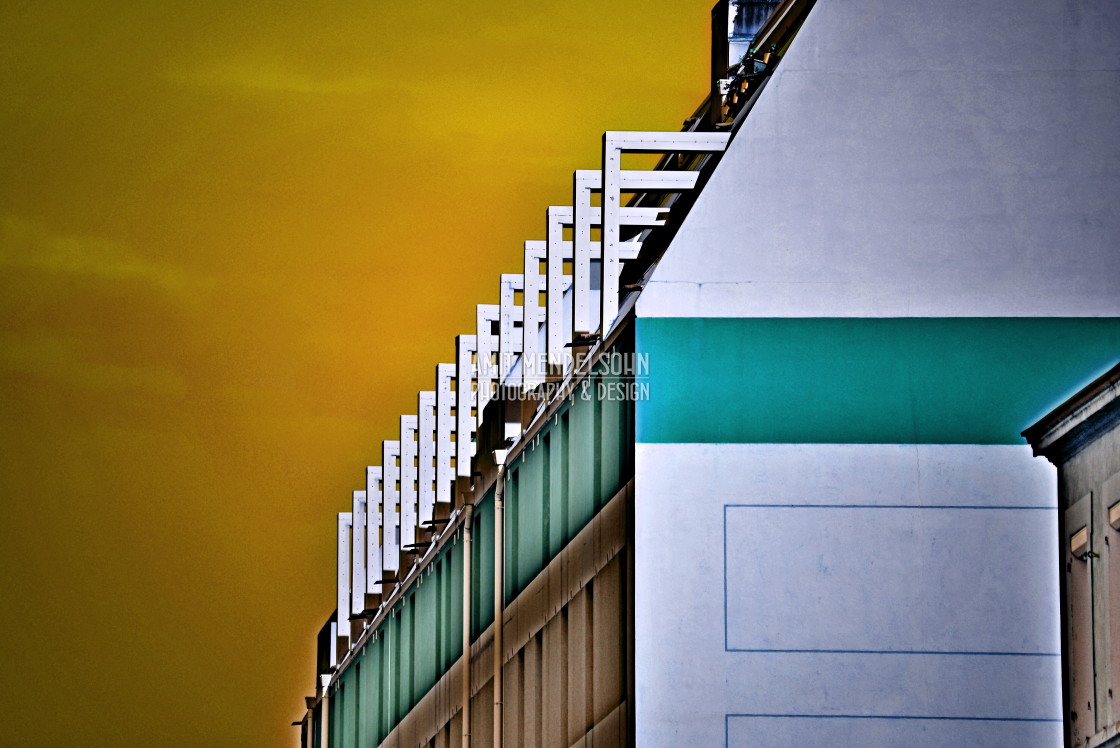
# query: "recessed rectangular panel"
764,731
887,579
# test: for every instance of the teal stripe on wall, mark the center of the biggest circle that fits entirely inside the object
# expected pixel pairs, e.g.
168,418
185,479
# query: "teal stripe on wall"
864,381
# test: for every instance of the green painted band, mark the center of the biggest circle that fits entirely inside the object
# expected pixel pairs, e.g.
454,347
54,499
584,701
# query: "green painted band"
863,381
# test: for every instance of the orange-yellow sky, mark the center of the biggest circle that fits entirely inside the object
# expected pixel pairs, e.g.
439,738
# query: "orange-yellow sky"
234,242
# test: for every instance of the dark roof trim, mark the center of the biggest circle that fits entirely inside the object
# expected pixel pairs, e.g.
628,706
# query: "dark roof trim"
1075,423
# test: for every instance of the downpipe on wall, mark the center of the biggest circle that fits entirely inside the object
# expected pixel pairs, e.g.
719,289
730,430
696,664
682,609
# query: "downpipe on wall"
466,657
499,599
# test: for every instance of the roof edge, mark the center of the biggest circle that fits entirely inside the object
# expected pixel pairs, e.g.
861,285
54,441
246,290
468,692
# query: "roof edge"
1064,431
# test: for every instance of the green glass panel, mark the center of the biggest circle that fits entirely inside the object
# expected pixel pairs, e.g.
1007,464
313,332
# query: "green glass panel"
582,470
482,571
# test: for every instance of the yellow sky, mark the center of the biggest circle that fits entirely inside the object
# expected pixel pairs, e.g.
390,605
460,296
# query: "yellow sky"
234,243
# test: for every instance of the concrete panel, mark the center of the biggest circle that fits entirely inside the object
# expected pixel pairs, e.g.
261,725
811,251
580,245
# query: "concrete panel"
887,564
609,647
751,731
482,715
896,579
554,684
579,664
513,714
531,692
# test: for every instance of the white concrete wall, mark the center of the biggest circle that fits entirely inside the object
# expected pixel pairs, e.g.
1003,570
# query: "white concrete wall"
948,159
777,625
951,158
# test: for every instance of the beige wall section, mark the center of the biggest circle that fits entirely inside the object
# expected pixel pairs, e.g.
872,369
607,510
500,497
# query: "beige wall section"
568,652
1093,593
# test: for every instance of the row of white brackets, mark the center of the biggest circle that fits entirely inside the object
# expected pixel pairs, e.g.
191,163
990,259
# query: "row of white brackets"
616,180
418,470
585,255
592,268
587,252
406,499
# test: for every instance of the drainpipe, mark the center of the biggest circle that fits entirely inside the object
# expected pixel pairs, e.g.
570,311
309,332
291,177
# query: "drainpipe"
325,715
466,658
499,599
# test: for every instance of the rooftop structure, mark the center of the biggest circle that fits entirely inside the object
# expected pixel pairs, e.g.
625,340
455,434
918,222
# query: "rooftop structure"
736,458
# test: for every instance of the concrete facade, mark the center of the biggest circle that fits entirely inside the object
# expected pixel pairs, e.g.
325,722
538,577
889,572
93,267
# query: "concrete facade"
916,217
